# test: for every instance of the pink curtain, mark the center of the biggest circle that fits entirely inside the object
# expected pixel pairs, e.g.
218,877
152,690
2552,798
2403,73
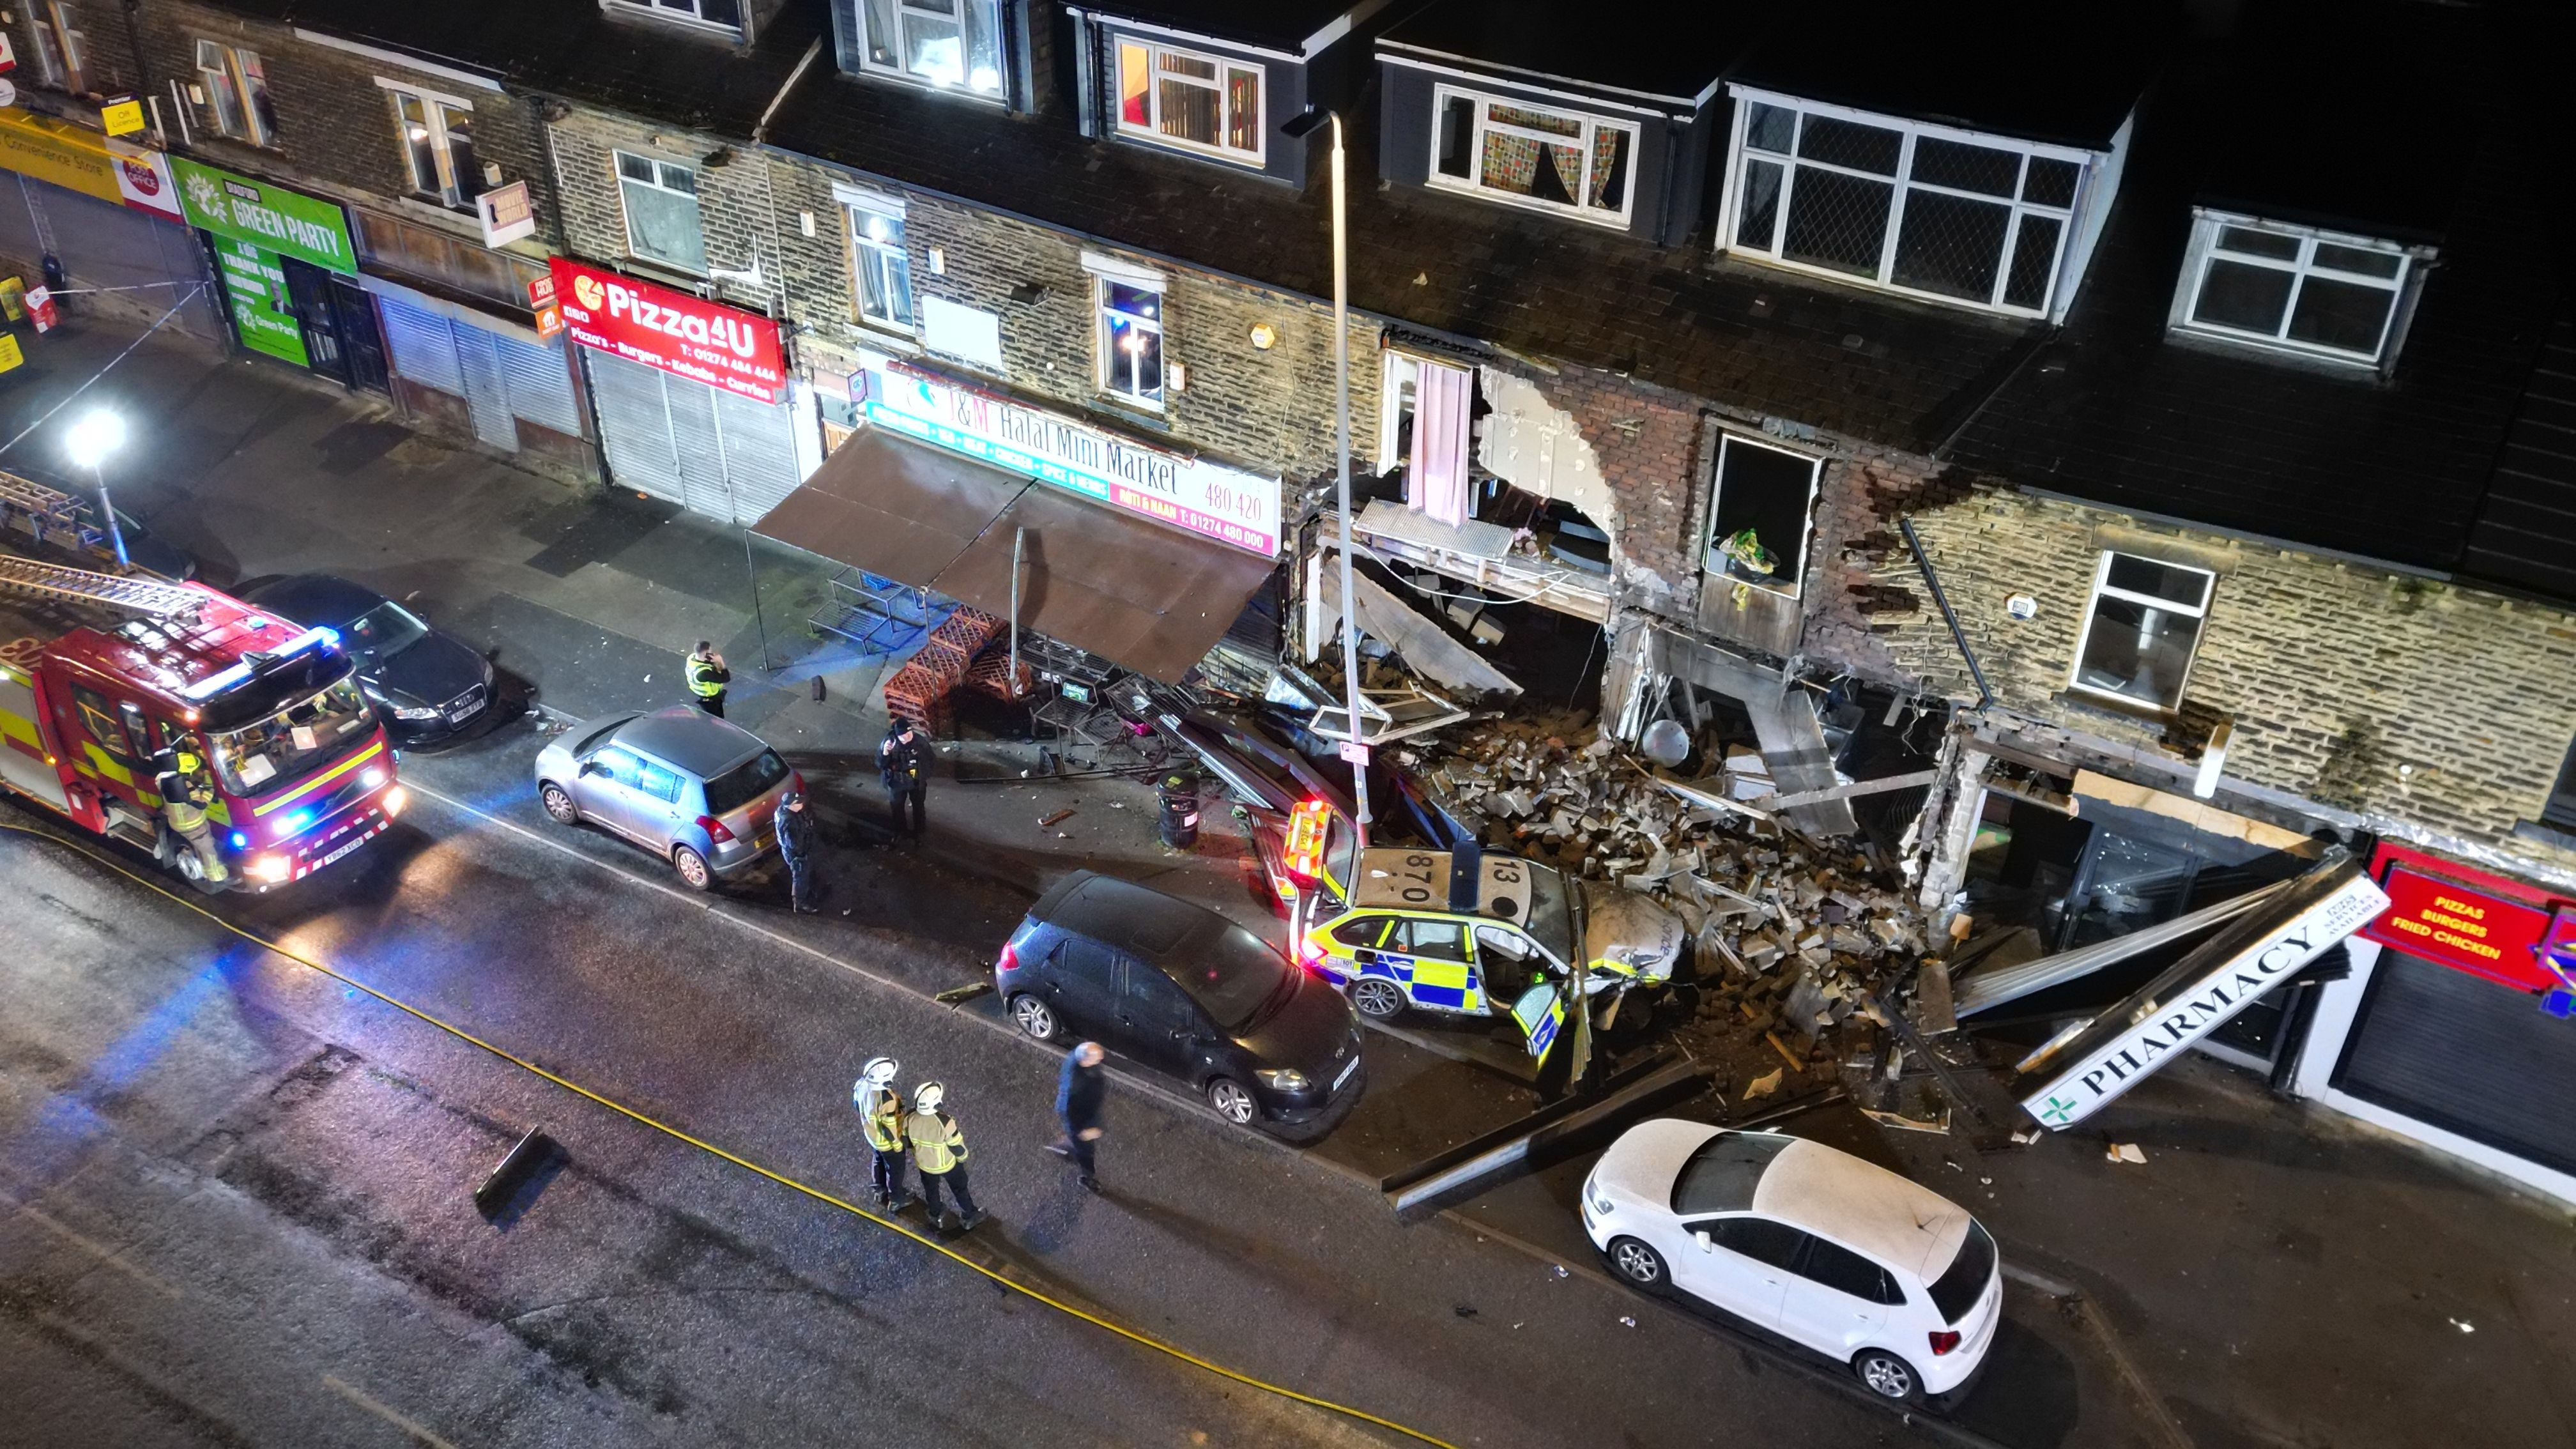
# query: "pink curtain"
1437,485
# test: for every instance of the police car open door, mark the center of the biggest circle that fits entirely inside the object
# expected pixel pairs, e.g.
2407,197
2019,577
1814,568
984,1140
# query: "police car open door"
1541,1013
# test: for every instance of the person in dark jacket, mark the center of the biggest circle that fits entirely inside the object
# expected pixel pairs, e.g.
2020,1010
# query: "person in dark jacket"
796,847
1081,1090
903,762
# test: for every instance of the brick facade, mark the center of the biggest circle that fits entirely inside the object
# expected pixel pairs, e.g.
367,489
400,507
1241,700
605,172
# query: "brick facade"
106,46
2432,711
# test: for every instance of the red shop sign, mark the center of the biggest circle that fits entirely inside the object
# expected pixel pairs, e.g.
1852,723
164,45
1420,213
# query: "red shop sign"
687,336
2464,929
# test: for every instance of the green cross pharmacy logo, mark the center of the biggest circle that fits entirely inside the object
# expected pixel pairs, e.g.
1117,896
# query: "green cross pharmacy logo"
2055,1111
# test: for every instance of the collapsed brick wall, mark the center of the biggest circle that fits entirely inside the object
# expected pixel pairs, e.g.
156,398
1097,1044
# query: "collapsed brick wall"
1861,579
1651,445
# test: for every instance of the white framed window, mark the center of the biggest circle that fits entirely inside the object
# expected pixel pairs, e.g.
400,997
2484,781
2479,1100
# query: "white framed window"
235,85
1191,100
1128,306
2141,629
60,45
1966,217
1561,161
660,199
949,43
436,134
1761,504
2293,288
726,13
880,265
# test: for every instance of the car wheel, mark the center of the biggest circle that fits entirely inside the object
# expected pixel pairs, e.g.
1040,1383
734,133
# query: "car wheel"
692,868
1638,1264
558,803
1232,1101
1034,1017
1889,1377
1378,998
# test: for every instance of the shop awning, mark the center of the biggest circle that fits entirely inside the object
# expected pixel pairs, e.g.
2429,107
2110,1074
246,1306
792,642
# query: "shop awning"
1140,595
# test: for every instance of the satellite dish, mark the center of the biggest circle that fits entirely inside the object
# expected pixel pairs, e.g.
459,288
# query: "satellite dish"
1666,743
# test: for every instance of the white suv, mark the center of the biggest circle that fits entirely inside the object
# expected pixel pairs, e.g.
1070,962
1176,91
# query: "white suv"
1816,1245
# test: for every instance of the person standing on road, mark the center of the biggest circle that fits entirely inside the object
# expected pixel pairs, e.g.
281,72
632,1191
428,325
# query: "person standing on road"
795,826
881,1115
1081,1090
181,783
707,676
903,762
939,1151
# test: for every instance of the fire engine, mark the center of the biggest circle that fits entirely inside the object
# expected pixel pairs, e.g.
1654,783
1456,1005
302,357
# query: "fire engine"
100,672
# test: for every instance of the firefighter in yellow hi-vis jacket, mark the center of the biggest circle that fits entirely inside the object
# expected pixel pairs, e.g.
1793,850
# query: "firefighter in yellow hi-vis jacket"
185,793
939,1153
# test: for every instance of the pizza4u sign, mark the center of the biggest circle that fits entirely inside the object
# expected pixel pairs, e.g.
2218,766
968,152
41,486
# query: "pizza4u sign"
663,328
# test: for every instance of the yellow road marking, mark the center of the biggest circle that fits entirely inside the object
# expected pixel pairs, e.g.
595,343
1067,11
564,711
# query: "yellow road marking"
112,1257
359,1397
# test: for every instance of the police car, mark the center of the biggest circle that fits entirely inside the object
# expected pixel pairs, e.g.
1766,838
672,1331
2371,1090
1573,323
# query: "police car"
1466,933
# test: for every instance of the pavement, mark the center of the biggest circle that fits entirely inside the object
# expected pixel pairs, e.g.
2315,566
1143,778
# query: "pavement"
2267,1277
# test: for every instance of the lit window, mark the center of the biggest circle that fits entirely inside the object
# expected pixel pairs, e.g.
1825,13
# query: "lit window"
2141,628
1183,98
661,201
236,93
2292,288
59,45
1913,208
1560,160
952,43
437,136
727,13
880,267
1131,341
1758,518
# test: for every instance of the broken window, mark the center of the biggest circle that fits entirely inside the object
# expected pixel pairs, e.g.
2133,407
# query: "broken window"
2141,629
1758,517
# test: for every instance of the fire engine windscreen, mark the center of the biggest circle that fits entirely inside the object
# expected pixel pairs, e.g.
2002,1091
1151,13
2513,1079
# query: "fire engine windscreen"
302,736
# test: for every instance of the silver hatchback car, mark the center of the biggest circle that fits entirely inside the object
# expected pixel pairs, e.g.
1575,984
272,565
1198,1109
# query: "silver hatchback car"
692,789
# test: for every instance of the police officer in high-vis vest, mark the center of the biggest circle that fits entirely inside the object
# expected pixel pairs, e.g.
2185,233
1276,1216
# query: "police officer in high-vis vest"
707,676
881,1115
185,793
939,1150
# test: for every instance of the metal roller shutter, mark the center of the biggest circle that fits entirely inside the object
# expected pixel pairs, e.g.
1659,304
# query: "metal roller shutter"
695,433
2466,1055
487,390
422,346
635,425
759,454
540,385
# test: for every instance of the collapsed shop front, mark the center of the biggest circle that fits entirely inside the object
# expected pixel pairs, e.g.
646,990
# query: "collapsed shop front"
693,401
106,212
288,271
2455,1026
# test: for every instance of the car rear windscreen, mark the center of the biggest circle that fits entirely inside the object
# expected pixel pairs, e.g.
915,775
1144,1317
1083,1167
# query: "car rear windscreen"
1958,1288
745,782
1720,1177
1233,976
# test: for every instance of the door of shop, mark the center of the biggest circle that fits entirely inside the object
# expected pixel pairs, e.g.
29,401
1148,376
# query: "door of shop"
335,321
703,448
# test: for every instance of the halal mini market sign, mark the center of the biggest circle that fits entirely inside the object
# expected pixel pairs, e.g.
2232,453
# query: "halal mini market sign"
272,218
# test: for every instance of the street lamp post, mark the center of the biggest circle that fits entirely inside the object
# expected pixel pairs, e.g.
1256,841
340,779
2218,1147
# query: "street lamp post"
90,440
1297,128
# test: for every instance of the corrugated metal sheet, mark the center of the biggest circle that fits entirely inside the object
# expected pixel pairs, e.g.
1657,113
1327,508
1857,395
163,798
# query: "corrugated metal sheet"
540,384
422,346
635,426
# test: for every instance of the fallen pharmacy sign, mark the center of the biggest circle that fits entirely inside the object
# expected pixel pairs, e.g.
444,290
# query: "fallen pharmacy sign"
2203,990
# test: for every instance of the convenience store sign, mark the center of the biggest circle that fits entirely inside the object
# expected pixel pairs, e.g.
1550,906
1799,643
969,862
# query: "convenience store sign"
272,218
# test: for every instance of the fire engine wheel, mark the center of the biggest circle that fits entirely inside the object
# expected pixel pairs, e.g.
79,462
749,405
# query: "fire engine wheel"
692,868
1379,998
559,804
181,860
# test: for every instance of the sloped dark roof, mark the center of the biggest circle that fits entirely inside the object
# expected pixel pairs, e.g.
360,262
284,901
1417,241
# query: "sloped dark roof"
2035,69
2527,534
1670,48
1280,24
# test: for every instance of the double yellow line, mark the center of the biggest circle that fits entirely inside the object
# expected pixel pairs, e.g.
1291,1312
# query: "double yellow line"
819,1195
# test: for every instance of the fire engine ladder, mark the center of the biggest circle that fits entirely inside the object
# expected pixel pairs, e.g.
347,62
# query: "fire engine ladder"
55,582
47,515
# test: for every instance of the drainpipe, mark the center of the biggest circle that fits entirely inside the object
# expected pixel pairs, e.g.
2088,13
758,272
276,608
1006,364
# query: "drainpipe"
1958,636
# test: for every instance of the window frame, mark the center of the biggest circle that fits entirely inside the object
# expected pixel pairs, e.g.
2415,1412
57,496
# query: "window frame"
626,216
434,107
1442,93
678,12
1740,154
55,28
1151,132
854,205
1710,538
860,50
234,77
2102,588
2210,225
1103,350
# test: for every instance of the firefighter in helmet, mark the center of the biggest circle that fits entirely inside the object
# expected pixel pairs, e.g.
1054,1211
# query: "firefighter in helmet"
185,793
881,1112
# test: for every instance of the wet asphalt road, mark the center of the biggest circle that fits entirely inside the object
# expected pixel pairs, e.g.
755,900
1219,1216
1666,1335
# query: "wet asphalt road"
238,1192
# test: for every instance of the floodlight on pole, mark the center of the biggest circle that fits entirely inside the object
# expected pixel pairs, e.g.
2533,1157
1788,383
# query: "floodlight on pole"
97,434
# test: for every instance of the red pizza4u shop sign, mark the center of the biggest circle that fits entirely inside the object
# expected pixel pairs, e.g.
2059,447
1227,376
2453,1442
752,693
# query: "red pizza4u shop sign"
668,329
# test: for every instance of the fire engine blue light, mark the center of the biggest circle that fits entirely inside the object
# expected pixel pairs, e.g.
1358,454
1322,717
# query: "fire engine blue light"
296,821
240,841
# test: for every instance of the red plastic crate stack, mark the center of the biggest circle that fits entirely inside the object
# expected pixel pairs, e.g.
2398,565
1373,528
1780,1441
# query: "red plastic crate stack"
919,691
990,674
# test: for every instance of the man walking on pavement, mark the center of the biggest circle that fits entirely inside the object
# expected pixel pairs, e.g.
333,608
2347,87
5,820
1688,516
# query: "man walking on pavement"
795,826
903,761
881,1111
707,676
185,794
1081,1089
939,1151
